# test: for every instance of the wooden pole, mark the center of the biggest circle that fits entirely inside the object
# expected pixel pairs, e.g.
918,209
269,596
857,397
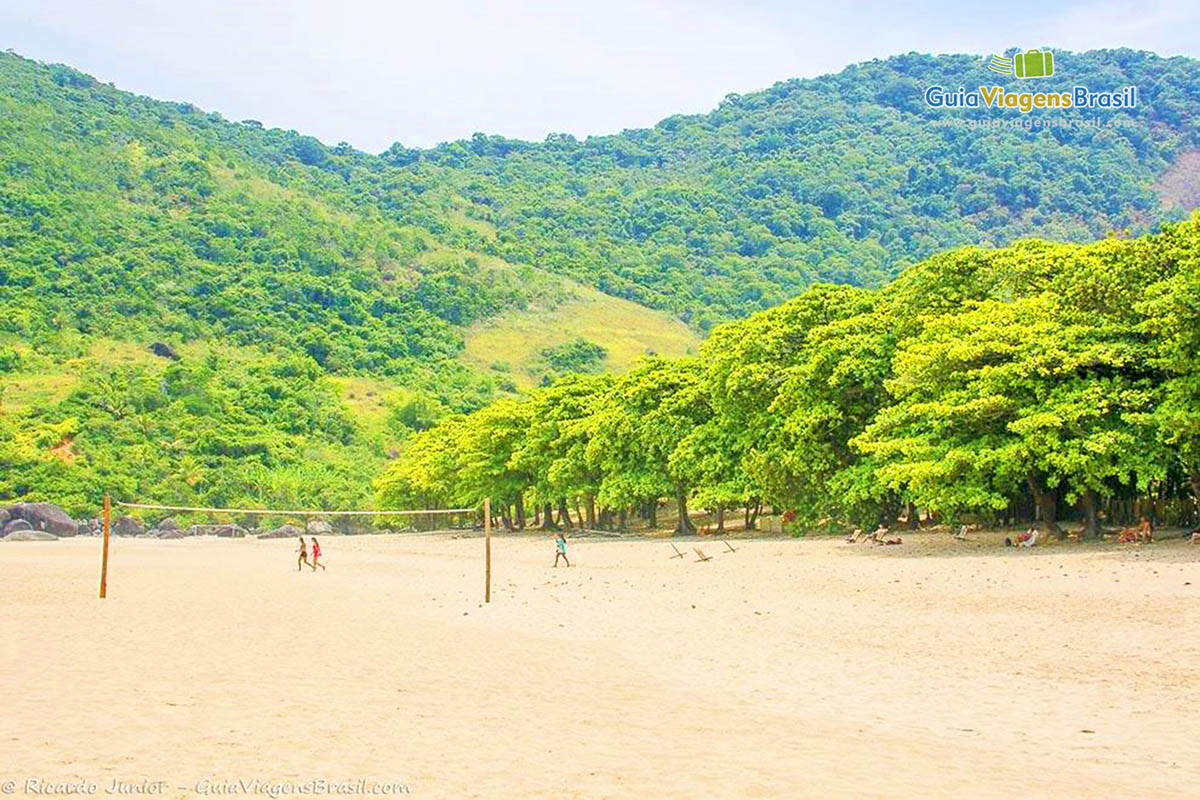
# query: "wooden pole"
104,552
487,549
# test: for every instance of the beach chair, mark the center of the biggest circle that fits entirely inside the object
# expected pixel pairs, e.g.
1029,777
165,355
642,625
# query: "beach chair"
730,547
701,555
678,552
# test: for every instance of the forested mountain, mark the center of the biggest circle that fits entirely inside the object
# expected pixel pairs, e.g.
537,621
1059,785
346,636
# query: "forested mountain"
313,300
843,178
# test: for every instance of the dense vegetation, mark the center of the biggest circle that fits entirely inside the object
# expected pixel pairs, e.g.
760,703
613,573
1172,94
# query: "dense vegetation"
998,383
842,178
276,264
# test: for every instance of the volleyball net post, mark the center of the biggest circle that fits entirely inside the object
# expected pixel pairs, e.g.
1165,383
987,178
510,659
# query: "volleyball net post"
104,550
487,549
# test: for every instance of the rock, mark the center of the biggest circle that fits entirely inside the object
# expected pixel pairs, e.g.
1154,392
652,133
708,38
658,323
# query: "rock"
26,535
163,350
168,524
126,526
16,525
45,517
319,527
282,532
229,531
4,517
171,534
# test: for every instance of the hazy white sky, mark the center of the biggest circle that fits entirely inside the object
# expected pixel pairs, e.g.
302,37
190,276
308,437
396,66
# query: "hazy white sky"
372,72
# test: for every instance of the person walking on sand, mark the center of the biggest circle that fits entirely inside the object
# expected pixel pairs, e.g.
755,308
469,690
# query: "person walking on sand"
316,555
303,559
560,548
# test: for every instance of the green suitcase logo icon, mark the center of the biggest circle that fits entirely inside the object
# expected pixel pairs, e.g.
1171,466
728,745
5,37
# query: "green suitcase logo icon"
1034,64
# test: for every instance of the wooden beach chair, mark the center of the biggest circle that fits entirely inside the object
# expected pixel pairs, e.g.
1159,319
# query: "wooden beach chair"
702,557
678,552
730,547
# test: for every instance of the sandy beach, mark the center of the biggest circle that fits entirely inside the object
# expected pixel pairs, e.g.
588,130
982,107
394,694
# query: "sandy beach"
791,668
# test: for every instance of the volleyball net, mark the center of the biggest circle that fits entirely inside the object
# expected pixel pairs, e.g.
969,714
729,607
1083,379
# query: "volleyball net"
254,523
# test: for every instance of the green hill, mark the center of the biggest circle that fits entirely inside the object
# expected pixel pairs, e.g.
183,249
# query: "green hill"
323,303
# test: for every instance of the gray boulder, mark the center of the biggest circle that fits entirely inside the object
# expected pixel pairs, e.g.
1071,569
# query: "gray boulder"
127,526
45,517
168,524
14,525
282,532
4,517
170,534
30,536
229,531
319,527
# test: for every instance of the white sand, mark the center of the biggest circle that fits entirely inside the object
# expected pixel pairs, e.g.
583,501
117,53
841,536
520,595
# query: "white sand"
788,669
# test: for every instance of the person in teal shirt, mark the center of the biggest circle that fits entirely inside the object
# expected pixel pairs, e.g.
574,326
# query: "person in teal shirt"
560,544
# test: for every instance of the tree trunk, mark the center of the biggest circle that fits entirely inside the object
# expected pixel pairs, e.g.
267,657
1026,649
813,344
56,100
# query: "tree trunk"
752,517
1091,526
1047,506
652,514
621,521
590,505
720,519
914,517
685,526
564,517
548,517
520,511
1161,505
504,518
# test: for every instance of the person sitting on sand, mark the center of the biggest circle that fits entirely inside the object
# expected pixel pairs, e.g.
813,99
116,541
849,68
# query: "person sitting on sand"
560,548
316,555
852,538
1028,538
1144,532
303,559
1196,536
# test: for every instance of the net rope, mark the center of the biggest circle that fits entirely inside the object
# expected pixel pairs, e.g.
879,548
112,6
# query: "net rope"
295,512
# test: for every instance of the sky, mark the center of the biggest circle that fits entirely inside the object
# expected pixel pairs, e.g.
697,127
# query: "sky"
374,72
